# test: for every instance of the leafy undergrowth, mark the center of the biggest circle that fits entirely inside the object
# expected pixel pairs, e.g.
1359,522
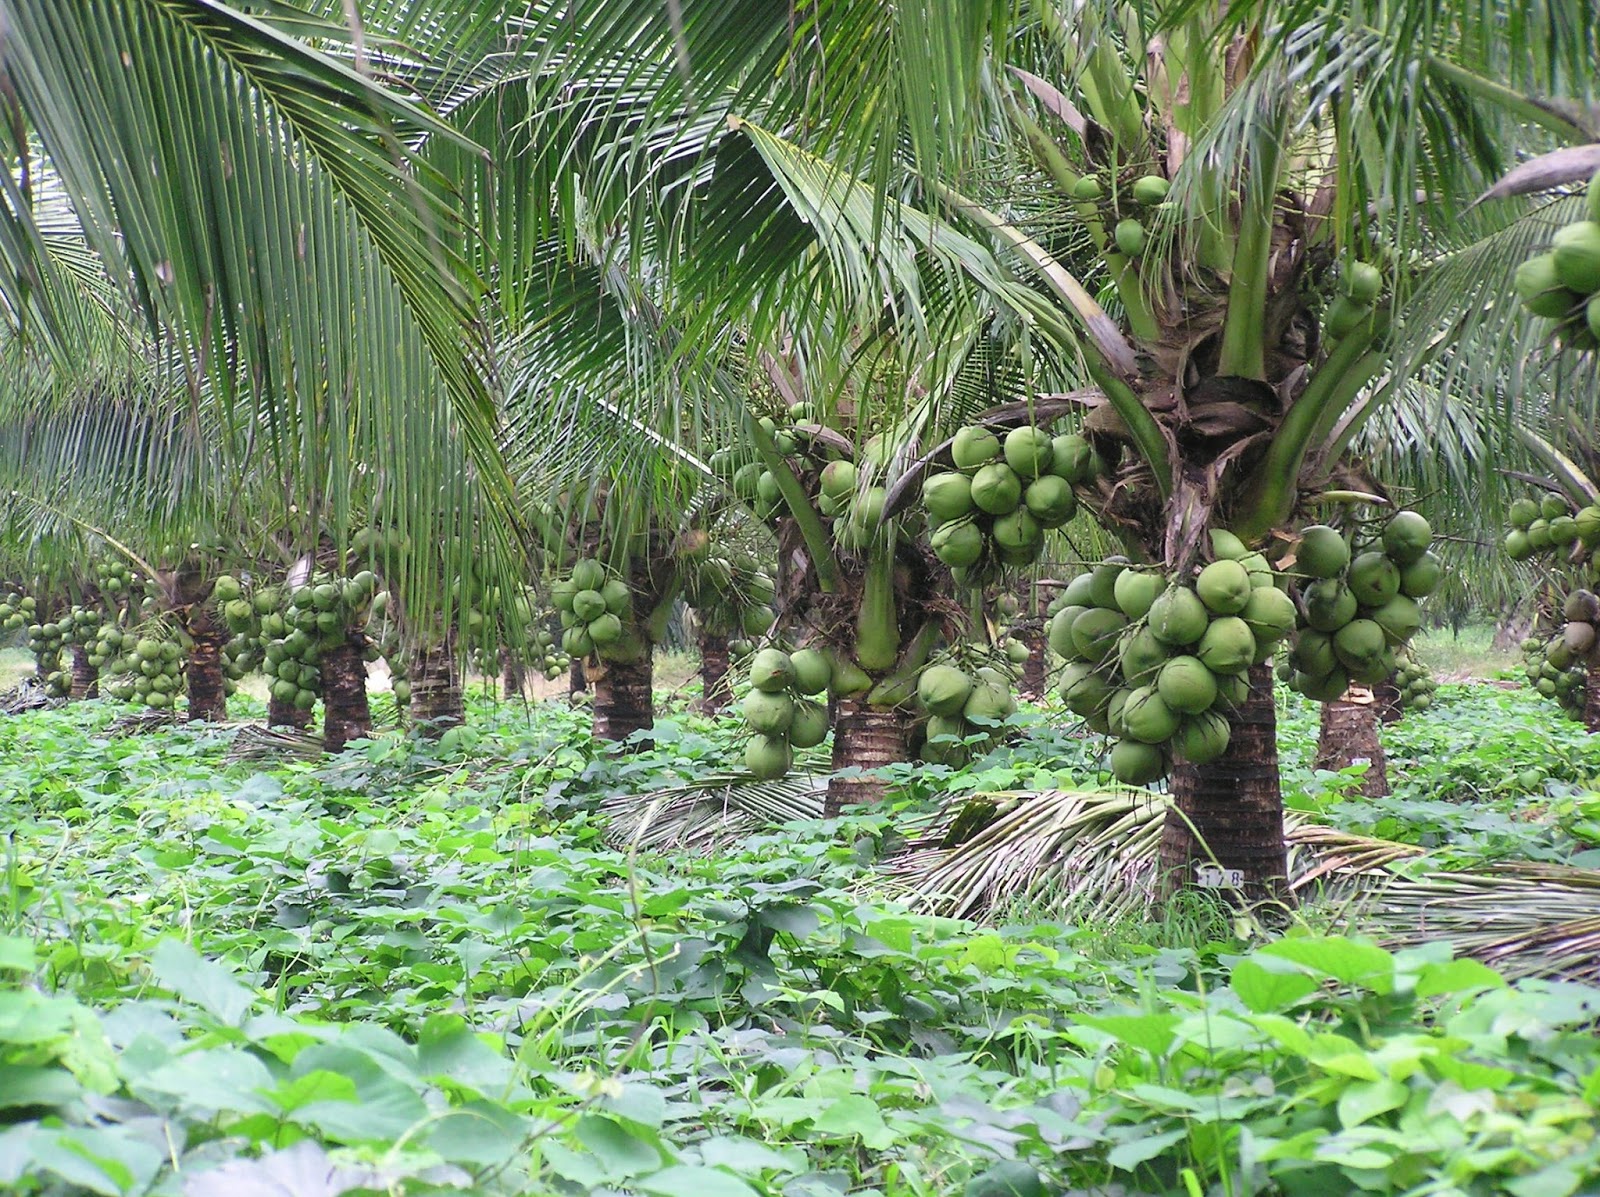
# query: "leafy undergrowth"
422,970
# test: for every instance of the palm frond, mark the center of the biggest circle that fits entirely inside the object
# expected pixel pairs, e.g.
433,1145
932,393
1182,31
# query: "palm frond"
711,814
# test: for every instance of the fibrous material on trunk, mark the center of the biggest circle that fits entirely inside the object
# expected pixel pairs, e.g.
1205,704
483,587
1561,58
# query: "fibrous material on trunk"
1591,690
207,692
346,715
1236,800
716,688
286,714
864,737
622,698
1349,736
436,703
85,677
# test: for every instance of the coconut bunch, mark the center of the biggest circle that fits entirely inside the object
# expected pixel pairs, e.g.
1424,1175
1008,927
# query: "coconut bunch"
732,596
1563,282
1414,681
1558,665
114,578
237,609
323,612
1358,604
46,635
147,665
596,607
1359,286
1159,661
517,623
966,692
1548,524
992,507
781,708
1131,204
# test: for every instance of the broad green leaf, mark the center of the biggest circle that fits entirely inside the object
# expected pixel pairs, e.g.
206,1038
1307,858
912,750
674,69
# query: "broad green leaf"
181,970
687,1180
16,954
1456,976
1343,959
1265,988
1362,1101
620,1151
855,1115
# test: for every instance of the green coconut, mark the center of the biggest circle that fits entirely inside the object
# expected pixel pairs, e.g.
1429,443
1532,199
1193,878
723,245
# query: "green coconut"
1576,250
1399,618
1552,506
1137,764
588,574
768,757
767,713
1095,632
1224,587
996,489
1228,645
1270,614
1186,685
990,700
973,447
1517,545
1017,530
1362,281
1083,689
1323,552
1563,531
811,669
771,670
1359,643
959,543
943,690
1147,717
1050,500
605,630
1539,534
1103,581
1540,288
1087,190
1225,546
1135,592
1329,604
838,479
1130,237
1406,537
1374,579
1059,632
1524,512
1343,316
1140,655
1072,458
1178,618
1028,451
1419,578
1202,738
946,497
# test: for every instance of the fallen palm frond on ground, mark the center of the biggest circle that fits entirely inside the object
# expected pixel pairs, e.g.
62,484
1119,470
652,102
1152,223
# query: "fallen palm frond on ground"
27,695
256,743
711,814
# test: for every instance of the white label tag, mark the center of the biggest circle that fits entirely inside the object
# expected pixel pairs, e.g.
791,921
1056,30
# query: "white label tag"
1212,877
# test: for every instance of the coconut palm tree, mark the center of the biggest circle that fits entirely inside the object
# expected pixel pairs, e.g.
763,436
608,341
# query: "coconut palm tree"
1271,196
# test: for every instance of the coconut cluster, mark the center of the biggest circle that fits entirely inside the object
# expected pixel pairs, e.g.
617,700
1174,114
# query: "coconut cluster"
1352,309
144,664
1563,282
965,694
732,596
1549,524
46,636
596,610
324,612
781,708
1158,661
993,507
1414,680
1557,666
1146,192
1358,604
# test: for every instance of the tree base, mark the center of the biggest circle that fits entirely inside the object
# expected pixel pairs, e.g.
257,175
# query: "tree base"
624,703
1349,737
286,714
436,703
716,682
346,714
85,677
864,737
208,696
1230,812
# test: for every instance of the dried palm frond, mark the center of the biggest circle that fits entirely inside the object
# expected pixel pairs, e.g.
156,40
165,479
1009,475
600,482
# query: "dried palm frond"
256,743
711,814
1525,920
137,723
28,695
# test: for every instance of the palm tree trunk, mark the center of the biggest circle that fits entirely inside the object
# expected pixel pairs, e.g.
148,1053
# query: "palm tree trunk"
1349,736
286,714
577,679
1030,631
85,677
1388,696
436,691
513,677
1591,695
345,713
864,737
716,688
1235,805
208,696
623,702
